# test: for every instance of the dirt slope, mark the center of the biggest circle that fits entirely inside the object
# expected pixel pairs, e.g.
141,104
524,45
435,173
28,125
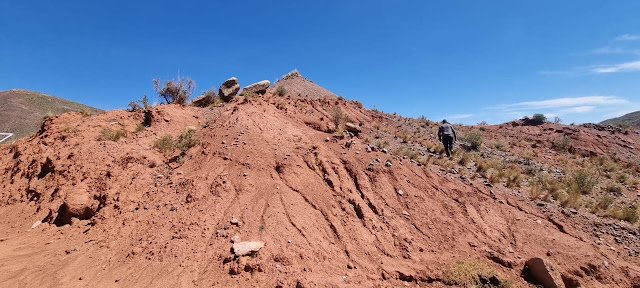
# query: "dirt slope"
329,212
22,111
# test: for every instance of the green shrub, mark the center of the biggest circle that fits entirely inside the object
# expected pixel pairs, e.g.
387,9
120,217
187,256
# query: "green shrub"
187,140
164,144
539,118
175,91
581,182
474,140
108,134
281,91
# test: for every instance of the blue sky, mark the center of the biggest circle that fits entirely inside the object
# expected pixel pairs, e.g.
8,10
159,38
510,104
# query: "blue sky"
469,61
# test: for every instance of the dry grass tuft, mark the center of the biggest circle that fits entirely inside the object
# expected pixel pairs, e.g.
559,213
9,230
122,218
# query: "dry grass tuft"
108,134
472,273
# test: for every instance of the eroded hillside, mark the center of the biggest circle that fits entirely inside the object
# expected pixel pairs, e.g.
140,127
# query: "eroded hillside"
380,209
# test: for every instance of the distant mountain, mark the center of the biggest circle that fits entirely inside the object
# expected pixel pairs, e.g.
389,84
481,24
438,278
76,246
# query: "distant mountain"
631,120
22,111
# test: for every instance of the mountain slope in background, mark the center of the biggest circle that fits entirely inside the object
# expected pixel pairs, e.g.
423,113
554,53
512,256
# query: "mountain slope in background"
632,120
22,111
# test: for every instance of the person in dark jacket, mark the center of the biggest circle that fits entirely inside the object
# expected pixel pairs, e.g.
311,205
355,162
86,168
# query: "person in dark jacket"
447,135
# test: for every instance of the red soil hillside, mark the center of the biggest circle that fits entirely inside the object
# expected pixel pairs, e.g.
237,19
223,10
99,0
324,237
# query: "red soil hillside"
270,169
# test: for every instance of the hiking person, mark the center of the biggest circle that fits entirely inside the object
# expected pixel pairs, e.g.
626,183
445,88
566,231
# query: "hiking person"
447,135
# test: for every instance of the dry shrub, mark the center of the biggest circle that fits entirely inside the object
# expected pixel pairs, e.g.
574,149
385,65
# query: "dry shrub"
615,188
629,213
339,119
281,91
513,177
164,144
561,144
571,200
175,91
468,273
465,159
535,191
548,186
404,151
425,160
500,145
495,176
108,134
604,202
139,127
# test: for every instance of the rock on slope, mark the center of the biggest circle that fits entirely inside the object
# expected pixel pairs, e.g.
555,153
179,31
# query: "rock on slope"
22,111
328,215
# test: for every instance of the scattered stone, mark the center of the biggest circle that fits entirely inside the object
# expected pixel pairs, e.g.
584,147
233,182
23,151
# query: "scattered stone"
400,192
36,224
384,150
570,281
574,211
543,274
349,143
259,87
387,164
246,248
235,239
327,139
78,204
405,213
539,221
351,266
549,253
203,100
229,89
234,220
352,128
245,174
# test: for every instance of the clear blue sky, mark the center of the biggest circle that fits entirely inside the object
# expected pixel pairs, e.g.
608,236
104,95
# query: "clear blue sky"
466,60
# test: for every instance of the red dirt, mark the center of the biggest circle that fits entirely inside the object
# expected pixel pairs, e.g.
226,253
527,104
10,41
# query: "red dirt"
164,221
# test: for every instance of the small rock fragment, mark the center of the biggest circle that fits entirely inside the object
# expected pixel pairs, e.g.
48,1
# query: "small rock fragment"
36,224
246,248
